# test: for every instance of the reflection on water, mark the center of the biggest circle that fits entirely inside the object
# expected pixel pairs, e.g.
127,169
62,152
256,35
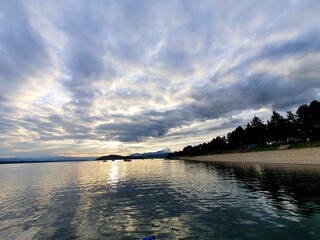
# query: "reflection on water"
291,188
170,199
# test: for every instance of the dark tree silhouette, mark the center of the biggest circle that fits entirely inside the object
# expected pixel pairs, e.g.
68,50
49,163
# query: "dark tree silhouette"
237,138
292,127
277,130
258,131
309,120
304,120
302,126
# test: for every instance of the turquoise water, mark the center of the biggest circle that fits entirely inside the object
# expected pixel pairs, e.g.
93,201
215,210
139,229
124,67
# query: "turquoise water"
169,199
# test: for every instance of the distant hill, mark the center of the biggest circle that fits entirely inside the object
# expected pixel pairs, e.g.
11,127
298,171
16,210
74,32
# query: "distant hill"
111,157
158,154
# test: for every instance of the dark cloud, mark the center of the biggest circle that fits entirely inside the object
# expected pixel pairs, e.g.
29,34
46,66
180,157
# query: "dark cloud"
258,90
133,131
308,42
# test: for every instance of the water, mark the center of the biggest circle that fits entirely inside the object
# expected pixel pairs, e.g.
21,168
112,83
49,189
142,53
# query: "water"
170,199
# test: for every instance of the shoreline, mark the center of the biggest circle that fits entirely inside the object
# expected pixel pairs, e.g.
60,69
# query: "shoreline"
305,156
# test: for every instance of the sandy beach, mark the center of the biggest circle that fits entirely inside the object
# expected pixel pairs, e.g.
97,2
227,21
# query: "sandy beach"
307,156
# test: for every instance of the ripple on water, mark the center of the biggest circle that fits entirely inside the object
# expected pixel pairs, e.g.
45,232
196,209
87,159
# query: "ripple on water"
172,199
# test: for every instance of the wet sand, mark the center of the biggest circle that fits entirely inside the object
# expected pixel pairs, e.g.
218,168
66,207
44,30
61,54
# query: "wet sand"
307,156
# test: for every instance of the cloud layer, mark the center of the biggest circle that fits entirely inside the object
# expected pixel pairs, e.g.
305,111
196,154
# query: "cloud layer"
96,77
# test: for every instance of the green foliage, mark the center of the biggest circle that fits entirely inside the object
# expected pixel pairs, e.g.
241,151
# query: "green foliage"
265,148
305,145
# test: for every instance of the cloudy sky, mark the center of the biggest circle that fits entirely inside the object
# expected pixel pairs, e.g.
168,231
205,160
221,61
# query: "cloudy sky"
88,78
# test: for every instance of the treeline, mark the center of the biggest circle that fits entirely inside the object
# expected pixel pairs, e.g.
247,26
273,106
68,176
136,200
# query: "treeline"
302,126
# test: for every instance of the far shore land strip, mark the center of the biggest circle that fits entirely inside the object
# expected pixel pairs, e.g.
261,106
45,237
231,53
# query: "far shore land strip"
305,156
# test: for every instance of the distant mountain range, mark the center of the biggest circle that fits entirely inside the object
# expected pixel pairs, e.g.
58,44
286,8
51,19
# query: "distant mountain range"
44,159
158,154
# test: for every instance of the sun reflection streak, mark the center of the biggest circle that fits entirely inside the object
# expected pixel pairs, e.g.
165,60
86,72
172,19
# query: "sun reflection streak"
114,173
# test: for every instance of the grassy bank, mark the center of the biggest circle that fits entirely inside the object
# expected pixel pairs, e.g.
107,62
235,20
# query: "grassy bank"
305,145
290,146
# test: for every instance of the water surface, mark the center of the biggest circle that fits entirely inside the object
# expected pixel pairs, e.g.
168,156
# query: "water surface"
170,199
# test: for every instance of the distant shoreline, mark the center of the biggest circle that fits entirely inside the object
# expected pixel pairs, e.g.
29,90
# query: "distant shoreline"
41,161
305,156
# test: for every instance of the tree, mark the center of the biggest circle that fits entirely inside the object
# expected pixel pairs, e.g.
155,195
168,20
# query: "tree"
309,120
219,144
276,127
255,132
304,120
302,125
292,126
237,138
315,120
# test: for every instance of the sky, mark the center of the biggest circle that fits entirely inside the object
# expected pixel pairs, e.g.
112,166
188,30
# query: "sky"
91,78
